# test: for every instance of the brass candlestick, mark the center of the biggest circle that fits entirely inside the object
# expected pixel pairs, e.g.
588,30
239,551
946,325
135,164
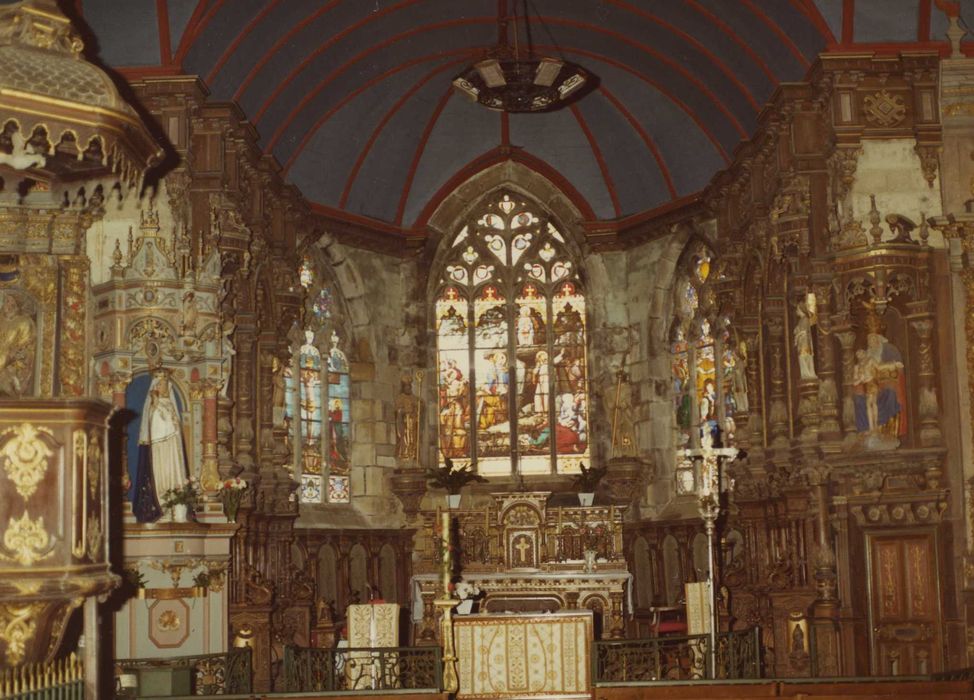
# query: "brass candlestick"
446,603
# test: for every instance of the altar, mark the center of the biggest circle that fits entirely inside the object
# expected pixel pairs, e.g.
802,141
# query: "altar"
523,656
528,556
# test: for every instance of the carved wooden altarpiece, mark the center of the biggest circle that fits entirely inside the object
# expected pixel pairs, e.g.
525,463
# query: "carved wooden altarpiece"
528,556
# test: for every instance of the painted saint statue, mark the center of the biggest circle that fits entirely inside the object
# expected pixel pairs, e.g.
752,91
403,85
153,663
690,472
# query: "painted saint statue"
880,387
162,458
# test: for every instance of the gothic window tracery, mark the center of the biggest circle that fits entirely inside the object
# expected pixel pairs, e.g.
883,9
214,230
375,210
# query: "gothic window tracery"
318,396
511,345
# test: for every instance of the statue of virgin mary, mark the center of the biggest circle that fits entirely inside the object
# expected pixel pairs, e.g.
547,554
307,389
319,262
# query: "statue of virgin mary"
162,459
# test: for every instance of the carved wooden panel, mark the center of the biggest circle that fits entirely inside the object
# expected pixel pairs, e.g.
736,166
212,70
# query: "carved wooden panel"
904,595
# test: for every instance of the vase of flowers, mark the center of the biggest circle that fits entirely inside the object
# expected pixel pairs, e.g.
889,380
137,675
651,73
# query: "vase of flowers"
180,502
452,478
586,482
231,493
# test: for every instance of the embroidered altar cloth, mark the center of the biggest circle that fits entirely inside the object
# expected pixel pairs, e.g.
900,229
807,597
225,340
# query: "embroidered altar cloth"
507,656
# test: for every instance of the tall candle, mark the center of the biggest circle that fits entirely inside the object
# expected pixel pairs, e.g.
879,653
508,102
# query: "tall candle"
445,539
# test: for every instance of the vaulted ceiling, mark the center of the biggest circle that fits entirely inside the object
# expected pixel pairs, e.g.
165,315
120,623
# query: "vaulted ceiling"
354,97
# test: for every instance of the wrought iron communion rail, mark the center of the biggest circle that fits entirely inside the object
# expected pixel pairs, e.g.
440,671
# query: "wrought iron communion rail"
213,674
739,654
391,668
685,658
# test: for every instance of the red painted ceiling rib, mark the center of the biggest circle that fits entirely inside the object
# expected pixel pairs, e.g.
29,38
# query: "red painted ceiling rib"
282,128
733,36
322,84
810,11
923,20
332,40
165,43
269,54
353,173
367,221
782,36
193,32
699,46
848,21
589,54
645,48
237,40
493,157
597,152
362,88
660,88
647,139
194,19
418,155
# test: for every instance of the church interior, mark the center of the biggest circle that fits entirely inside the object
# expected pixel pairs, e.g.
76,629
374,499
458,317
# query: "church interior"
410,348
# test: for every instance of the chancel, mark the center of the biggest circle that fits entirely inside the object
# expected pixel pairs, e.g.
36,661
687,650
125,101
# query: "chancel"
486,349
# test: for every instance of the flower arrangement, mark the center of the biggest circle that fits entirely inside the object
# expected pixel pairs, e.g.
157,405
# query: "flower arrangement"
465,590
451,477
231,493
588,479
187,495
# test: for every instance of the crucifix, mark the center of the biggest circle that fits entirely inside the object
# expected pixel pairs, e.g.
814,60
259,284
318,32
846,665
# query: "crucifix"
522,546
709,488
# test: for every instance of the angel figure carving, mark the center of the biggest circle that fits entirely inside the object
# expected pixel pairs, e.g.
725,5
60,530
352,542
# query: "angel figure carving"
22,156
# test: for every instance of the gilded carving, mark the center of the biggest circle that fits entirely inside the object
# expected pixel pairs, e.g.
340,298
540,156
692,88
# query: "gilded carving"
72,361
27,540
18,625
884,109
95,460
94,537
25,457
18,346
169,621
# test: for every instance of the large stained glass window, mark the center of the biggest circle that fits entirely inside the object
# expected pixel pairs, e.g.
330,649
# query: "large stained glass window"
699,336
318,399
511,345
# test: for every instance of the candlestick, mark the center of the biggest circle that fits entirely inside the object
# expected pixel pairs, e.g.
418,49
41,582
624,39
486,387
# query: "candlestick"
446,563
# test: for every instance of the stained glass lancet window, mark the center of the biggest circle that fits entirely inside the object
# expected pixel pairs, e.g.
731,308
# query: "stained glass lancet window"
699,337
318,395
511,345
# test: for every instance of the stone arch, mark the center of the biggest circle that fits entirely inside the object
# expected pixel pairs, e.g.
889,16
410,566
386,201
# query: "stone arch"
642,563
672,570
358,574
328,574
701,561
388,571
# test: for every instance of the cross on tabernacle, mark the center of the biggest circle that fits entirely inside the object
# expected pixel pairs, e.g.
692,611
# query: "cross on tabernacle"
522,546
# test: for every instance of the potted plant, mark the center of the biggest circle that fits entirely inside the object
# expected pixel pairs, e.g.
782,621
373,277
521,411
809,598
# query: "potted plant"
180,501
452,478
231,493
586,481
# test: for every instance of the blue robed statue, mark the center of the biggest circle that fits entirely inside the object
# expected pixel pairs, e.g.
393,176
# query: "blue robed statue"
162,458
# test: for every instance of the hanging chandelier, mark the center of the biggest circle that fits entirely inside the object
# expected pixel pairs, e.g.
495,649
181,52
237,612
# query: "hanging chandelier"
512,79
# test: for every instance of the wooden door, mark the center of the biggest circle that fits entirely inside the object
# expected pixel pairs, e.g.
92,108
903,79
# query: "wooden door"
904,602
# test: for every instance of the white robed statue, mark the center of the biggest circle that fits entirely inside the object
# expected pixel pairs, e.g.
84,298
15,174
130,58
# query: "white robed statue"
162,458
